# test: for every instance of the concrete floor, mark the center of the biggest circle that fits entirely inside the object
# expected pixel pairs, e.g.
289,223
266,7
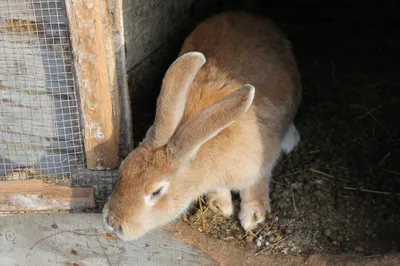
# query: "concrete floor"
79,239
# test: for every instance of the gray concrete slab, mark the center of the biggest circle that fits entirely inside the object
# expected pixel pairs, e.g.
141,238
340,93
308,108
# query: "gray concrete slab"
79,239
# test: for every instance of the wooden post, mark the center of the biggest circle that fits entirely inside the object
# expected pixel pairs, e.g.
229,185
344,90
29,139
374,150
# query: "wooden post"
94,61
117,18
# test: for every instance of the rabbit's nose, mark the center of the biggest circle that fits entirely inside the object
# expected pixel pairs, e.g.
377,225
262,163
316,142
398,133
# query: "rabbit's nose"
108,221
108,225
119,231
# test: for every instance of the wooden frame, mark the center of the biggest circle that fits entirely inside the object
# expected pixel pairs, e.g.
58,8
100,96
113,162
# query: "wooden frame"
94,61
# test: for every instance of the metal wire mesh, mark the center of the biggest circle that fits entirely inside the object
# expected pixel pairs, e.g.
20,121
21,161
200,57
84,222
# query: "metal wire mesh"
40,132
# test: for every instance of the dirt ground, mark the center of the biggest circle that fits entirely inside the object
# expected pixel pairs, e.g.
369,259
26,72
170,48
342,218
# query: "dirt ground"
339,191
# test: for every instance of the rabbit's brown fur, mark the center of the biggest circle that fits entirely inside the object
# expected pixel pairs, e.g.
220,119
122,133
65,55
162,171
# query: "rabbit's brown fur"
211,133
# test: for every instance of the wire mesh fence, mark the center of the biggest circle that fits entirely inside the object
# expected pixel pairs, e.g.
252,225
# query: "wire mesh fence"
40,132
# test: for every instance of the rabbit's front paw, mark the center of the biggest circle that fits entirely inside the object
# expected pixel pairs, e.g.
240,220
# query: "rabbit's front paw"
220,201
253,213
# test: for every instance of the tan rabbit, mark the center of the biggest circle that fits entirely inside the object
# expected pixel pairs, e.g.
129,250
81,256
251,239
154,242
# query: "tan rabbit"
213,133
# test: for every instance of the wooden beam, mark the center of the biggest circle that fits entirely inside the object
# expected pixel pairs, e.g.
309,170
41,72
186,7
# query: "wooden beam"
117,18
35,195
94,61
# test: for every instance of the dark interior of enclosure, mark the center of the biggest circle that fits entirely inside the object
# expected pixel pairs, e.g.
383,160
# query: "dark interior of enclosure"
339,191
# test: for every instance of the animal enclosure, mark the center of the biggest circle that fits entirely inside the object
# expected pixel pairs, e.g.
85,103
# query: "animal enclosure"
64,104
338,193
40,125
339,190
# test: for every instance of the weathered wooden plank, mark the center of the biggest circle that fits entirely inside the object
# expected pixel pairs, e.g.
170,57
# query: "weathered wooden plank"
78,239
35,195
64,239
89,32
118,35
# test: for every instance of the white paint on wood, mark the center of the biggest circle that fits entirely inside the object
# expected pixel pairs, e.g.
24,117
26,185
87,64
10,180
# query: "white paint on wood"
35,203
90,32
64,239
36,195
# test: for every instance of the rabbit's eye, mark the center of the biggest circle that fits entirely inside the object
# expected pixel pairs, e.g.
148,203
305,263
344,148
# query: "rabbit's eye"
156,193
151,198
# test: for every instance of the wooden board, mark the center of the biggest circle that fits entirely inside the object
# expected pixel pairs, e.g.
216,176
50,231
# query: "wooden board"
79,239
35,195
94,62
118,36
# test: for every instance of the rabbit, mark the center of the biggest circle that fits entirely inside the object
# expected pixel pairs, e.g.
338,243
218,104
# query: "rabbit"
224,116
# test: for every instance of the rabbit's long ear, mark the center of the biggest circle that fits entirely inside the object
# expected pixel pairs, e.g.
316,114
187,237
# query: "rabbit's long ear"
207,124
172,99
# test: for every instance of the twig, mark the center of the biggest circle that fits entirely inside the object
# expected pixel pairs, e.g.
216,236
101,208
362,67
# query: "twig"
294,173
203,201
279,183
261,251
273,221
203,225
372,256
85,232
274,244
371,191
278,242
384,158
379,123
391,172
286,159
368,112
369,257
204,212
312,169
359,143
251,233
262,227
